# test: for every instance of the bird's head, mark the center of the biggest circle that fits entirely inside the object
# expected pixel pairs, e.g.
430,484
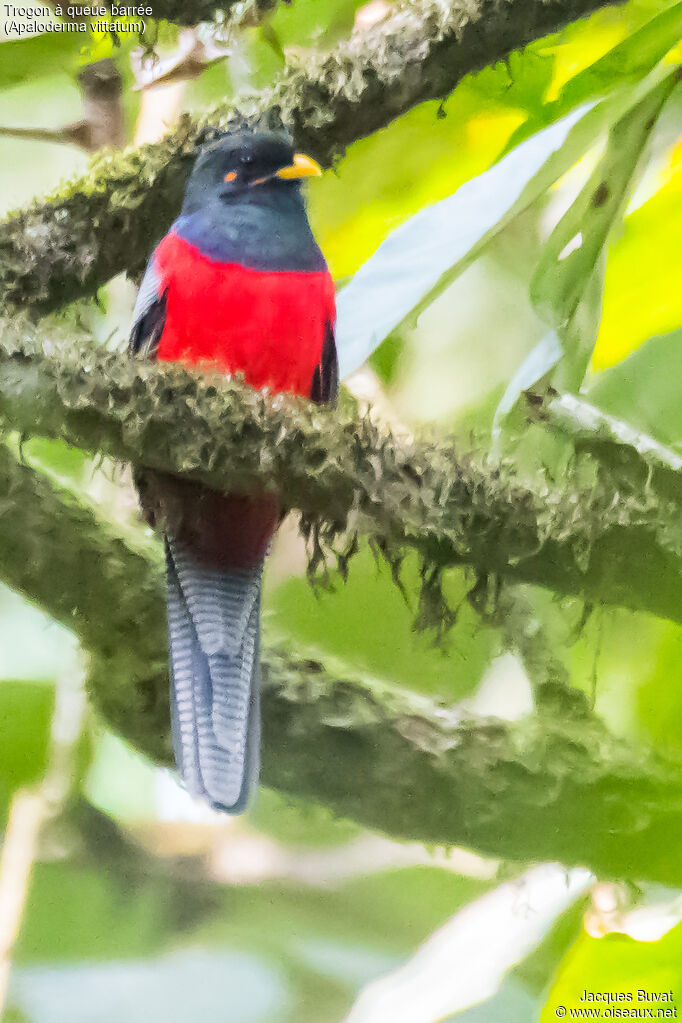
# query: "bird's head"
246,166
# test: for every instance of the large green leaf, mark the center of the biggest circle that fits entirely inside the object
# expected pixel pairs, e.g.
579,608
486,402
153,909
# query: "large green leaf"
575,246
567,286
418,260
423,156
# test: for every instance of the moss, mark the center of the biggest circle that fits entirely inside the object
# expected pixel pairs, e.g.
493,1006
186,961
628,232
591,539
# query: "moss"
612,539
108,221
553,786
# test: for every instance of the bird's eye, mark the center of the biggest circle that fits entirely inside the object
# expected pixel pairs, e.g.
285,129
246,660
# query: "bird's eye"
230,176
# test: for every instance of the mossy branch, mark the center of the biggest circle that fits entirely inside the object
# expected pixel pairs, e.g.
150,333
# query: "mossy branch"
553,786
108,221
614,539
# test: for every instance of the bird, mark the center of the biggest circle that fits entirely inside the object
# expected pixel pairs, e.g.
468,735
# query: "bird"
239,285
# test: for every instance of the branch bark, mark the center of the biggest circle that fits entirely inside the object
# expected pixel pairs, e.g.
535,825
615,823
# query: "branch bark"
614,540
107,221
388,759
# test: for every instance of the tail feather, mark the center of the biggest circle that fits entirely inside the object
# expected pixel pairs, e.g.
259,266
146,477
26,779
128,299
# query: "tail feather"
232,682
183,695
213,623
219,601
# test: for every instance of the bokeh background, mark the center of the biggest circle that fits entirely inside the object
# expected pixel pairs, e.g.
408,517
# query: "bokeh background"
145,906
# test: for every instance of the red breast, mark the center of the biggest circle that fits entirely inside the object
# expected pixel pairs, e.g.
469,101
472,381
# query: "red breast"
270,326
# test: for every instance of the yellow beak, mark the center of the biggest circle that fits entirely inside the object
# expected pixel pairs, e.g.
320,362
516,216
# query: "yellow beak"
302,167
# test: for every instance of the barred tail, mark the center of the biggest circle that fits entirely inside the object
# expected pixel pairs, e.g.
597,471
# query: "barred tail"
213,624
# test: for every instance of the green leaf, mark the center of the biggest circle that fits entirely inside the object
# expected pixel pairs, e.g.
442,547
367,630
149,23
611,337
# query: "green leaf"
420,259
423,256
644,389
567,286
628,61
575,247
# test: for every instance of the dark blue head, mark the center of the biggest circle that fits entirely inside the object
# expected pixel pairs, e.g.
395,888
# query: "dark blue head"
247,167
243,203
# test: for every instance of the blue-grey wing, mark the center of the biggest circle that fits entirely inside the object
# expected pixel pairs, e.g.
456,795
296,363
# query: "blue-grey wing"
149,315
149,318
325,383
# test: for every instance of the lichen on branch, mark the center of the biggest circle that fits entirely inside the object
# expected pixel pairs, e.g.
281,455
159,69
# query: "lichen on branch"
554,785
98,225
610,539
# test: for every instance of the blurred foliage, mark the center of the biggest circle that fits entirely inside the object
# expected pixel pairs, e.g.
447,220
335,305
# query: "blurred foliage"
366,625
25,714
39,57
159,938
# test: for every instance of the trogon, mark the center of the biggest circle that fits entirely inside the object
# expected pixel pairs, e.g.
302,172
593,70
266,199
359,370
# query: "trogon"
239,285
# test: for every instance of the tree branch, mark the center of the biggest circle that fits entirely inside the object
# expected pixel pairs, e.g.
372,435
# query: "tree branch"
592,430
615,540
108,220
388,759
